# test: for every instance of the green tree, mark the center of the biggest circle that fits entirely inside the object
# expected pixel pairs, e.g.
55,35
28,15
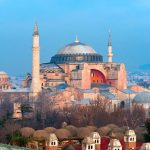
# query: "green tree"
147,135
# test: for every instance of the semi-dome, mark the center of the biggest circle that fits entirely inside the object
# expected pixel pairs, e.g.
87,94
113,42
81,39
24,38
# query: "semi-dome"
76,52
142,98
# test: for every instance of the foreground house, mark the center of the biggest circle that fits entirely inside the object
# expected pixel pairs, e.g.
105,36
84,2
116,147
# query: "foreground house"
92,142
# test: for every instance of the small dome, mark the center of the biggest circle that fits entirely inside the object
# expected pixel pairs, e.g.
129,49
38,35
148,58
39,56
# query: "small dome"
114,143
95,135
142,98
3,73
77,48
88,140
52,137
145,146
130,133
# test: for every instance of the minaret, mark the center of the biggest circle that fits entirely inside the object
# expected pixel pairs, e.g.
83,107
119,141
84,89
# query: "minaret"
110,54
77,40
35,85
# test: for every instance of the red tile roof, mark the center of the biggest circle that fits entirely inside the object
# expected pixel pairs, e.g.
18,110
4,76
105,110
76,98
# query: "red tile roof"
105,141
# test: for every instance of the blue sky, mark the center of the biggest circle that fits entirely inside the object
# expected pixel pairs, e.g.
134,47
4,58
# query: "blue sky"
60,20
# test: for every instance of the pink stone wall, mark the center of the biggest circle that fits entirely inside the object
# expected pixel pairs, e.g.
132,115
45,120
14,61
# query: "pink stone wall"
86,77
113,74
122,78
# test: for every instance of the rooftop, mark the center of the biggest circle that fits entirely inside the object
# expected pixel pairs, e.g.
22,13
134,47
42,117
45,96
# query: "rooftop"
77,48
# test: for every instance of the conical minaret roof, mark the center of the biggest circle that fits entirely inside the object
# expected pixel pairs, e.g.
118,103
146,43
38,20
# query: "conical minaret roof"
109,39
36,31
76,40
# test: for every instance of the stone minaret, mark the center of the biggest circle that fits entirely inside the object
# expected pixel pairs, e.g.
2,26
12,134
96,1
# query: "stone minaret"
110,54
35,85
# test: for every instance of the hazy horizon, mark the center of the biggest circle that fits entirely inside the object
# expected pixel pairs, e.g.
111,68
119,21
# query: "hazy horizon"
60,21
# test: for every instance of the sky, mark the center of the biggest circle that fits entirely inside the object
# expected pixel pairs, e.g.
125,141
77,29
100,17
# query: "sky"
60,21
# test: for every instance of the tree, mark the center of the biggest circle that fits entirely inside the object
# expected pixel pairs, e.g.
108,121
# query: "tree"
83,132
40,134
147,135
62,133
27,131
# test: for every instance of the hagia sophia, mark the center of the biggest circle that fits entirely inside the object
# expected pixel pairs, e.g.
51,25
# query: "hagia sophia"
78,75
79,65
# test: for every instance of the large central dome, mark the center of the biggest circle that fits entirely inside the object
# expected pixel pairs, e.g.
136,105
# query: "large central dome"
77,48
76,53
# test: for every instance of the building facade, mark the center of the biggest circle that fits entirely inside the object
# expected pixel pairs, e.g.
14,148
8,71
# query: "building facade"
92,142
4,81
78,65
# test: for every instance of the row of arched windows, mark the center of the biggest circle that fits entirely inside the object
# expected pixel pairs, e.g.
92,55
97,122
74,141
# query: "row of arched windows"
64,58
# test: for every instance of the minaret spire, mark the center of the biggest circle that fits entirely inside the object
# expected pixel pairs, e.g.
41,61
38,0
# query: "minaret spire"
36,31
109,39
110,54
35,85
77,40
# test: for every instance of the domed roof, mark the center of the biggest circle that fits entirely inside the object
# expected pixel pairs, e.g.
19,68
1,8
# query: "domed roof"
142,98
95,135
52,137
130,133
114,143
76,53
3,73
145,146
88,140
77,48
